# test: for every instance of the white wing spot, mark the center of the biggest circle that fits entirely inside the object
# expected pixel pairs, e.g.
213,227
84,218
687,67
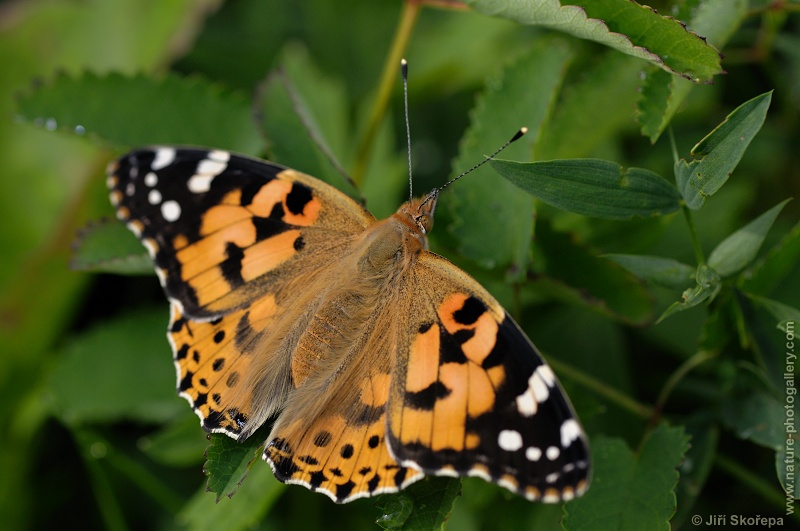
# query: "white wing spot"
538,391
509,440
151,179
219,155
570,430
553,452
171,210
533,453
164,157
130,189
199,184
154,197
551,478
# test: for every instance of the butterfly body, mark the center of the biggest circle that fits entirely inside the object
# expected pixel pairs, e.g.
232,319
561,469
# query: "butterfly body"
380,360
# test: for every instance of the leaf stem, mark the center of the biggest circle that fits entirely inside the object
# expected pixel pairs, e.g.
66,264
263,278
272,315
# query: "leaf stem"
687,213
680,373
391,67
601,388
756,483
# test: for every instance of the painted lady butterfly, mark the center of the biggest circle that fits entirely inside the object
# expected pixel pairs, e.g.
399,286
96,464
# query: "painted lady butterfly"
381,360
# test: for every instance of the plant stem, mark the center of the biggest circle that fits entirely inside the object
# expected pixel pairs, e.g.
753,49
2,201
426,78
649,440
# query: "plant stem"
753,481
686,367
601,389
390,69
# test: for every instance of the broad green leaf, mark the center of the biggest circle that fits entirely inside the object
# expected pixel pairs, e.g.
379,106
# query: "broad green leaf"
182,442
491,220
631,491
716,156
108,246
708,284
663,271
588,279
786,464
131,111
593,187
242,512
779,262
119,370
740,248
425,505
303,116
229,461
621,24
782,312
592,108
753,411
664,94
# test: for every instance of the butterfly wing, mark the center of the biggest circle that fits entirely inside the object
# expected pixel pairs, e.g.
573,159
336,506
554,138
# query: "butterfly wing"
235,242
471,395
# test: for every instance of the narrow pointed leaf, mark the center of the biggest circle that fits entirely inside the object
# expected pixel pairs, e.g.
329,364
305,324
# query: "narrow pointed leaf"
593,187
708,284
740,248
716,156
663,271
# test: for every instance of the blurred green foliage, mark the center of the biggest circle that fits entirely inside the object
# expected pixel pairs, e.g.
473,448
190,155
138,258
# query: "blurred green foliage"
663,328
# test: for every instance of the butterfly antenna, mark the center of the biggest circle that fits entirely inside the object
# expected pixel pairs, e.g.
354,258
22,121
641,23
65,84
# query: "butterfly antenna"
435,192
404,73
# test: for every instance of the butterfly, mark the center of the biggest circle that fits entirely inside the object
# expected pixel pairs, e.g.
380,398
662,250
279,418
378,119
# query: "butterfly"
379,360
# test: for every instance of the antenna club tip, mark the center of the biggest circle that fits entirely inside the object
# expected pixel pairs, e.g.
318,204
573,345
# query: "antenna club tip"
522,131
403,61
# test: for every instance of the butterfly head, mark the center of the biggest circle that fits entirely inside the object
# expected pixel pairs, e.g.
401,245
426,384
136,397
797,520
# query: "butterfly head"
422,210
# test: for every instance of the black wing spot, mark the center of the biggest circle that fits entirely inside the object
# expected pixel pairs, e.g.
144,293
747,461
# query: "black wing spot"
218,364
424,327
299,244
427,398
322,439
374,441
219,337
347,451
471,310
233,379
298,198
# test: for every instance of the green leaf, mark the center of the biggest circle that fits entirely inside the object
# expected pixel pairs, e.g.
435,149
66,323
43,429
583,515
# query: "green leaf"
696,467
600,284
656,269
716,156
108,246
491,220
779,262
591,109
782,312
621,24
303,116
180,443
663,94
131,111
425,505
229,461
134,359
736,251
247,510
708,284
753,411
631,491
593,187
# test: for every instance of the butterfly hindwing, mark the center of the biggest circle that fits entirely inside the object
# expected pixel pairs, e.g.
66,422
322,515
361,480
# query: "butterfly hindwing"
474,397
